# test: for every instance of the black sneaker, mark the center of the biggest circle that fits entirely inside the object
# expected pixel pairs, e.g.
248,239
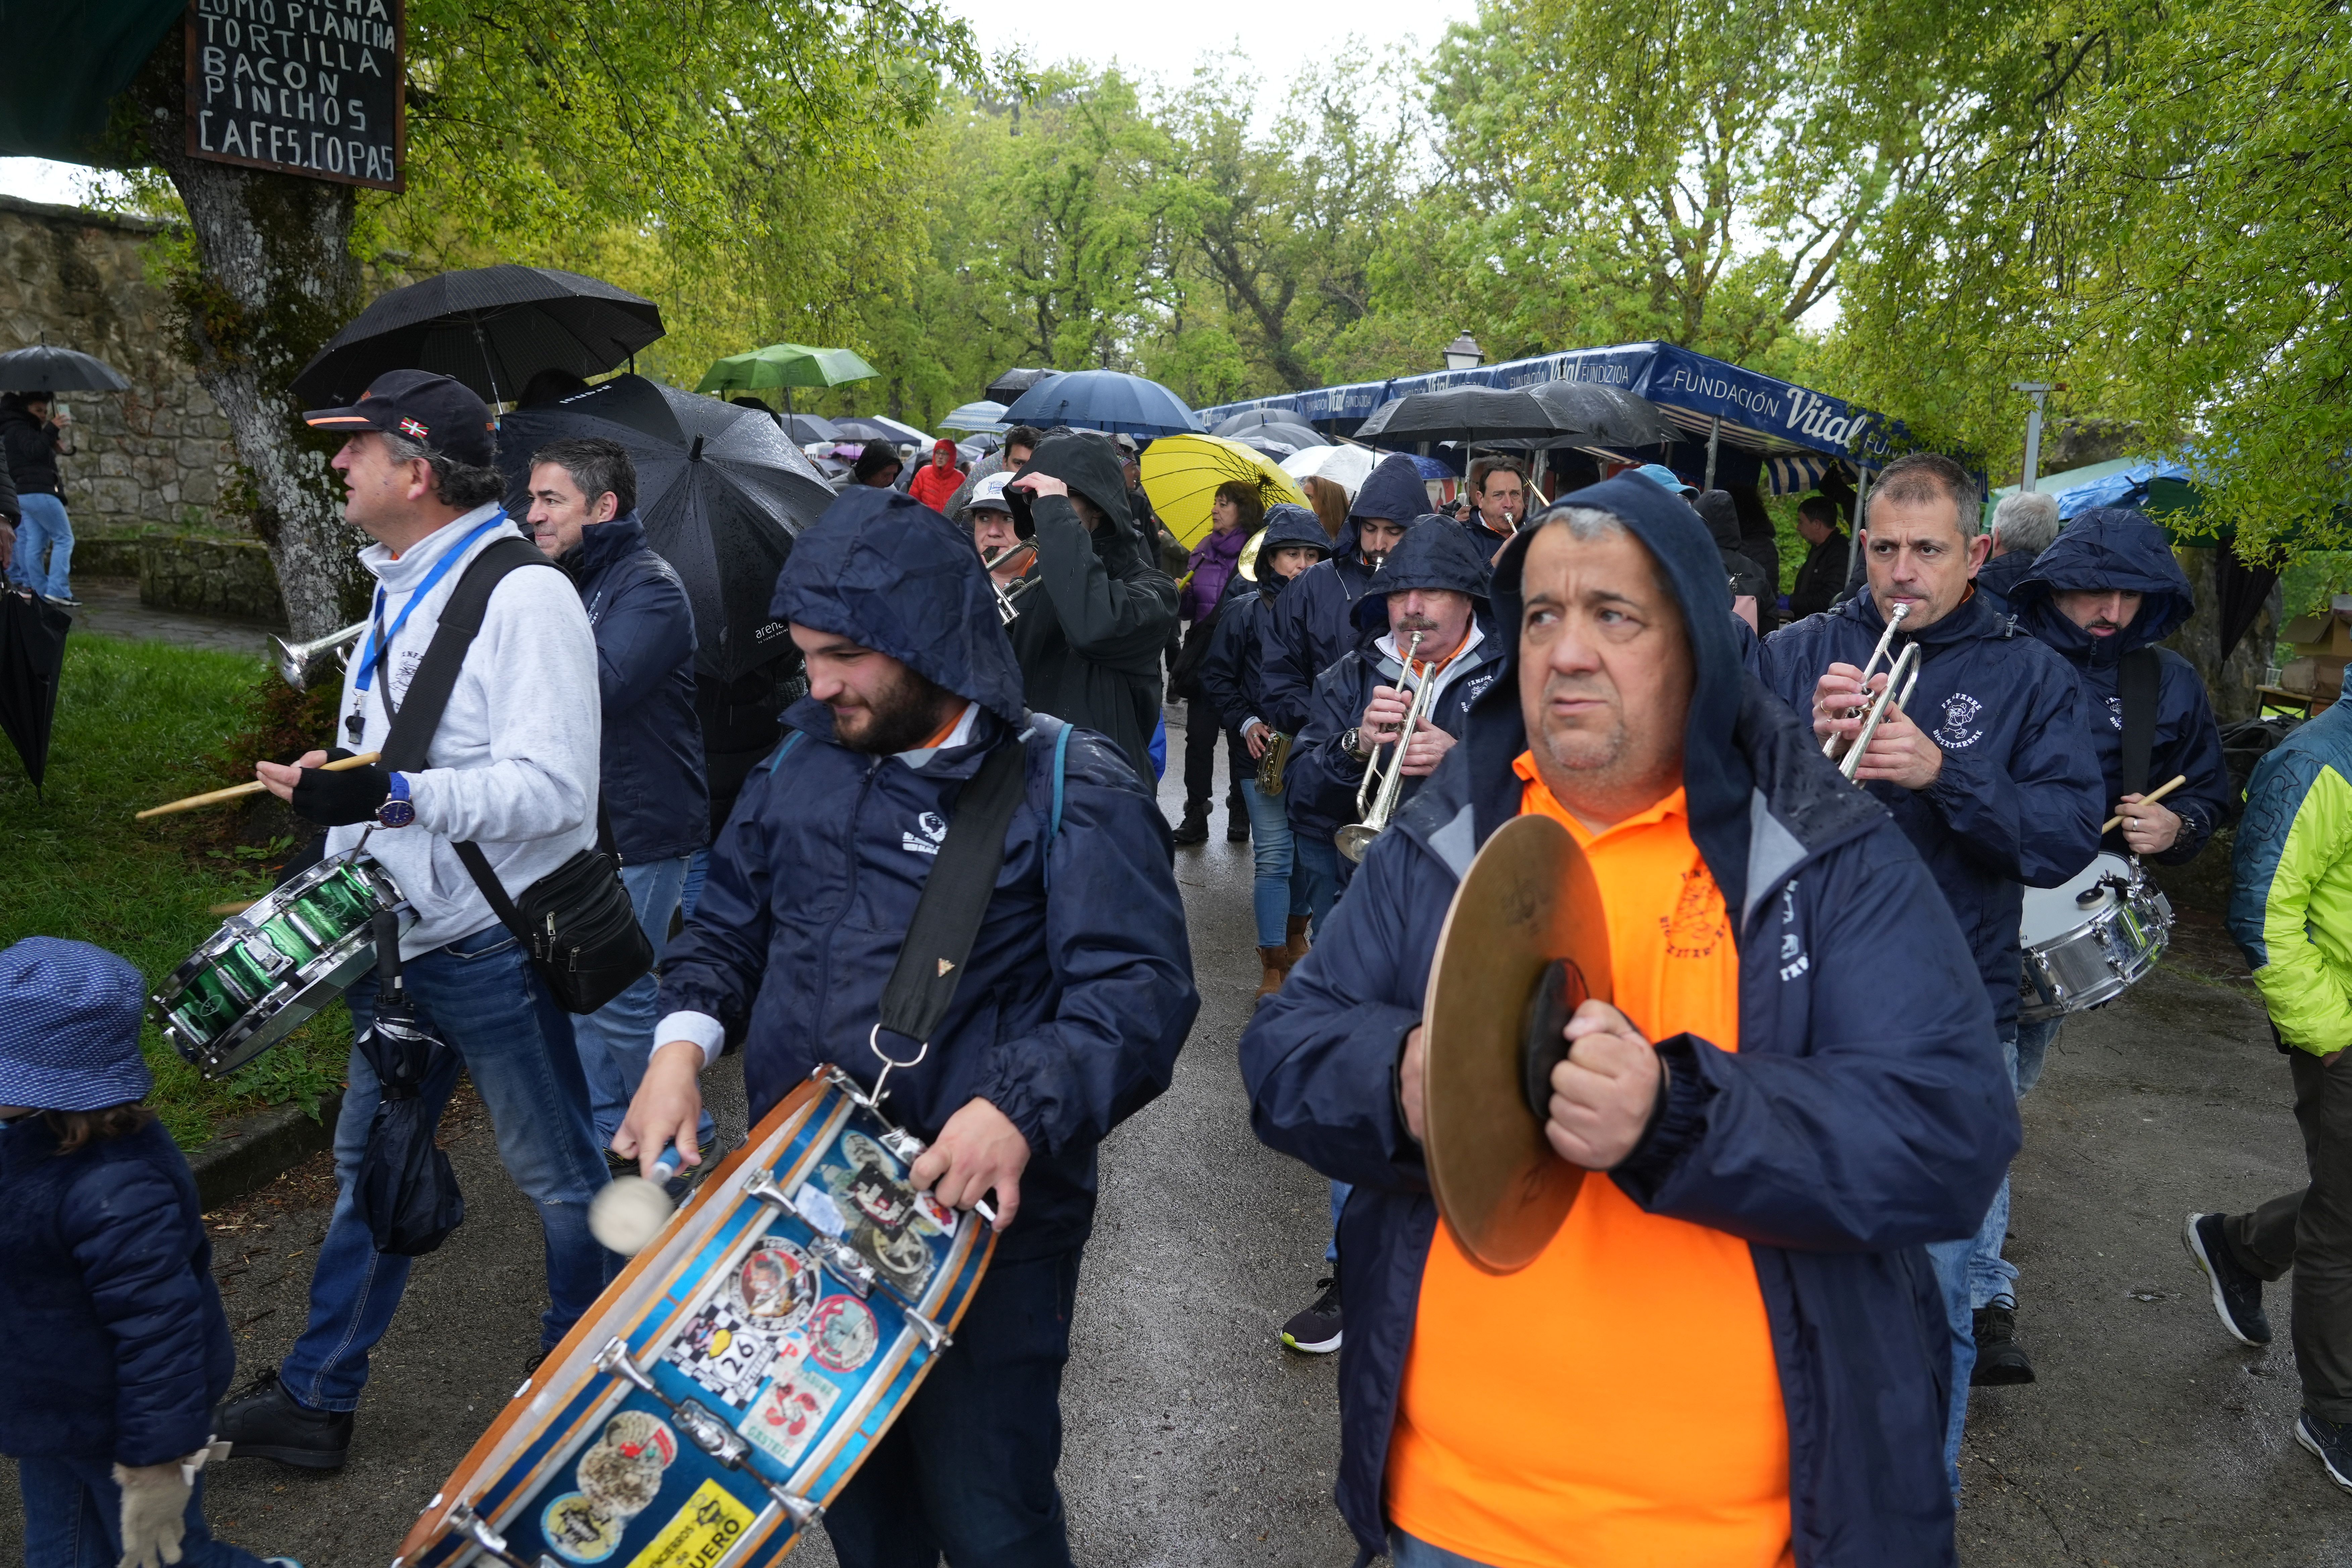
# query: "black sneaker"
1316,1330
2331,1441
2237,1295
264,1423
1194,828
2000,1359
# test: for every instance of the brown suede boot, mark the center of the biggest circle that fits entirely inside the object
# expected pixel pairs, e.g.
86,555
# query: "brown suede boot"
1297,946
1278,969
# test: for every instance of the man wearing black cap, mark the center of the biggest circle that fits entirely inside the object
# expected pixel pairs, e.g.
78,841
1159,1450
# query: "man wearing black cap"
512,769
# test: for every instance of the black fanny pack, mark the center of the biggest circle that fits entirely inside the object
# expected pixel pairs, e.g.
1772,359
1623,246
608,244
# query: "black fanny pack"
576,922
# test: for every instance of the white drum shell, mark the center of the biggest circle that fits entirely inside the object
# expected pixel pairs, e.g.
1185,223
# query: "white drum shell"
2091,939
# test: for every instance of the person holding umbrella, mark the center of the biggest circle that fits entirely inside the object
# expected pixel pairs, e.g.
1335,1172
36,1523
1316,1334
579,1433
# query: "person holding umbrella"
35,439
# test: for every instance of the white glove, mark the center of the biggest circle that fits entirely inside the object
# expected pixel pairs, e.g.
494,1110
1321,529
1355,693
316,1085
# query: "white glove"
156,1507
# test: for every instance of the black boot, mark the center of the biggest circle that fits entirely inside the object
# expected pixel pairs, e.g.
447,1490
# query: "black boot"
1194,828
2000,1359
1237,821
264,1423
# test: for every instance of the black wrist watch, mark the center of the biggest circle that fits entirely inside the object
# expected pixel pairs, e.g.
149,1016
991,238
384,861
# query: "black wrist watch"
1352,743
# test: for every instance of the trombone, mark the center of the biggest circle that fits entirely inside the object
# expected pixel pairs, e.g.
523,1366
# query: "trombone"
1008,600
1902,677
1384,785
295,658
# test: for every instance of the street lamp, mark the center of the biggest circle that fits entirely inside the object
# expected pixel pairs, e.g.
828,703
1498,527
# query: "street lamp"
1463,353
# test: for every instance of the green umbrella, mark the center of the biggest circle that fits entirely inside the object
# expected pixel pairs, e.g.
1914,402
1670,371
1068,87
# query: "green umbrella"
786,365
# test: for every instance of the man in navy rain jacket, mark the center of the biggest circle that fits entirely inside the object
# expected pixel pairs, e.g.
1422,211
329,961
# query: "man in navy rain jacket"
1075,1000
652,801
1996,783
1839,1137
1313,624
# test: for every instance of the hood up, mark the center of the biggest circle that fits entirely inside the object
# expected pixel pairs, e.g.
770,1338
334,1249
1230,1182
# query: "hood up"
1392,492
1288,525
1716,775
1721,514
1093,468
888,573
2106,547
1444,558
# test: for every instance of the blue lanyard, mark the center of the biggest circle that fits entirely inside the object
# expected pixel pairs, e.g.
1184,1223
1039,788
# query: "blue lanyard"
440,570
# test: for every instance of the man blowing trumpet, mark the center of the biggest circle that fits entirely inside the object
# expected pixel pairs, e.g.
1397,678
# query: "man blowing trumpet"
1733,1345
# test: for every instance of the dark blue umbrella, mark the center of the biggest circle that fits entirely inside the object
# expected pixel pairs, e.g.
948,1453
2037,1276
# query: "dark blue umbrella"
1105,400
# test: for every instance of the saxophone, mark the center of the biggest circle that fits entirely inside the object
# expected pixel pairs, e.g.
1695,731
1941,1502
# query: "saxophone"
1269,766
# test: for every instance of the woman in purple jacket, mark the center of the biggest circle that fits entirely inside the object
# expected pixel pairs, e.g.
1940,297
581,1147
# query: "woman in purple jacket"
1237,511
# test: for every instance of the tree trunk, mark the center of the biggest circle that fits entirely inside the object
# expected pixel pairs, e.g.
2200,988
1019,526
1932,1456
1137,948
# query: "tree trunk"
2230,681
271,278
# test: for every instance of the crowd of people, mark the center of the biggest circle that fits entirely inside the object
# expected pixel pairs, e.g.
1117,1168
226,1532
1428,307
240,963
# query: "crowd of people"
1796,1256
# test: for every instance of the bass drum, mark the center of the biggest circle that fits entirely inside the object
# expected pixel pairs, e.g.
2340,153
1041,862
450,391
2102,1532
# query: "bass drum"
2088,942
728,1384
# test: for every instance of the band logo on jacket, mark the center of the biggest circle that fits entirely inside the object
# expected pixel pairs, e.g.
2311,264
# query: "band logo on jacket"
1474,686
1697,924
933,833
2115,712
1794,961
1960,711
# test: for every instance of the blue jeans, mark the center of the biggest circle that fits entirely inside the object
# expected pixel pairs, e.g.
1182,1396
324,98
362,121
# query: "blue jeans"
1412,1551
1282,884
73,1517
45,544
479,996
1339,1190
968,1469
1992,1276
1950,1259
615,1040
1319,861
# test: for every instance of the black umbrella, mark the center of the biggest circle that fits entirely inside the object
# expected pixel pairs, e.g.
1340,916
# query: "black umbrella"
1280,423
32,656
493,328
1608,415
44,369
1460,413
721,491
805,429
1008,387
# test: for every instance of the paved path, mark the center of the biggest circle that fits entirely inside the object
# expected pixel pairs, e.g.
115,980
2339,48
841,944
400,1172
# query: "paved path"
110,606
1195,1439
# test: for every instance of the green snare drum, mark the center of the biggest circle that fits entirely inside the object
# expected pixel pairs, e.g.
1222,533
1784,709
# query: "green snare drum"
268,970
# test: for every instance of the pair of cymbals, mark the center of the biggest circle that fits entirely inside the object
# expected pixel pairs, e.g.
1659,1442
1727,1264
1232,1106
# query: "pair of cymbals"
1525,941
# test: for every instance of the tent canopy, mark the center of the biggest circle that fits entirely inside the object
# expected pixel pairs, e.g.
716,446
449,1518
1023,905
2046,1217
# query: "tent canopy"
64,67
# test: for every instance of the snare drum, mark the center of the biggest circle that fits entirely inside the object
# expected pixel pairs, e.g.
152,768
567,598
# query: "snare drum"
268,970
2090,941
730,1383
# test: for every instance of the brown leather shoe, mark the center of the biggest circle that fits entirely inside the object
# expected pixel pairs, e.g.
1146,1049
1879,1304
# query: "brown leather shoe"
1297,946
1278,969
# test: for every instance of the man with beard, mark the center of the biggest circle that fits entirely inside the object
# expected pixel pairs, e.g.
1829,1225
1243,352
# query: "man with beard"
1090,634
1075,998
1995,784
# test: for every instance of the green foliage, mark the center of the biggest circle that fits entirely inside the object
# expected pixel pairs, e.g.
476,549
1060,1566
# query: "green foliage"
139,723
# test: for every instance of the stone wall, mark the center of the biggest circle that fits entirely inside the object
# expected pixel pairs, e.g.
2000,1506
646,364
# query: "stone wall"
155,458
209,575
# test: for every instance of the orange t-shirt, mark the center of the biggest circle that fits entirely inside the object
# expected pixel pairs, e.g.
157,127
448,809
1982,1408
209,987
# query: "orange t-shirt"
1616,1402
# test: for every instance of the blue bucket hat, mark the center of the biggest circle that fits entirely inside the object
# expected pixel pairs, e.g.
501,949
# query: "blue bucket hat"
70,1026
1665,478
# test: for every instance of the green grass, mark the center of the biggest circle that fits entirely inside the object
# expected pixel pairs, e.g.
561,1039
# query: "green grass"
140,724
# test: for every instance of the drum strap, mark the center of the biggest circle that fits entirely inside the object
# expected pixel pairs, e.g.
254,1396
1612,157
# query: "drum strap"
2137,675
955,896
405,742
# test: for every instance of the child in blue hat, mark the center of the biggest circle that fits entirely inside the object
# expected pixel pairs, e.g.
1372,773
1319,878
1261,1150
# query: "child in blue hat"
118,1347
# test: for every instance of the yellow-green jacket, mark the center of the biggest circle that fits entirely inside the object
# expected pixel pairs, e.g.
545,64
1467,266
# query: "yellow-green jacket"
2290,912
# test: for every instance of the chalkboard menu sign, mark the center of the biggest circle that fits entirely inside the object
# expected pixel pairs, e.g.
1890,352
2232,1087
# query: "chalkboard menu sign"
303,87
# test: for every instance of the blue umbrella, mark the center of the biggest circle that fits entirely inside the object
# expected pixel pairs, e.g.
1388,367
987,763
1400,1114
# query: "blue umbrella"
1105,400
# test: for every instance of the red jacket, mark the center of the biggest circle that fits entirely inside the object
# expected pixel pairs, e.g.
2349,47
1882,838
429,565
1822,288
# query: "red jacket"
935,487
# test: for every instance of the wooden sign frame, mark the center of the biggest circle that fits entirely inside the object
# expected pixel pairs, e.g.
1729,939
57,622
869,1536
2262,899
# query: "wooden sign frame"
290,25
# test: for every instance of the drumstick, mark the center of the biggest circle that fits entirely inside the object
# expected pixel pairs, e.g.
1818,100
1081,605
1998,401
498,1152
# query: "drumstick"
235,791
2149,799
234,907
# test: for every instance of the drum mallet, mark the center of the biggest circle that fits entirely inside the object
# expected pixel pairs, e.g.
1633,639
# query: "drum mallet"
2150,798
235,791
632,1210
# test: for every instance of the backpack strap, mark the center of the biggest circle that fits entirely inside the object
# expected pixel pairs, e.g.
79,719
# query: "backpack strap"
2137,676
955,896
405,744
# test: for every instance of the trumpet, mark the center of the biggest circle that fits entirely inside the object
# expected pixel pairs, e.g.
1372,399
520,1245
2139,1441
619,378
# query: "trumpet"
1383,787
295,658
1008,600
1902,679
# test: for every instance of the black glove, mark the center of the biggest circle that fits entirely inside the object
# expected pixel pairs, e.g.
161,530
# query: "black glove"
340,799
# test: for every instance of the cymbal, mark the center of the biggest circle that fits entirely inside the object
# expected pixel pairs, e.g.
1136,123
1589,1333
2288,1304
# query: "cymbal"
1528,900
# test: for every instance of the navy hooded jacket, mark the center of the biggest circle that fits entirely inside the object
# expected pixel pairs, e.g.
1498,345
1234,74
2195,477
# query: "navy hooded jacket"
1079,991
1998,578
1324,779
652,794
1310,628
2017,800
1836,1141
2117,548
118,1347
1233,675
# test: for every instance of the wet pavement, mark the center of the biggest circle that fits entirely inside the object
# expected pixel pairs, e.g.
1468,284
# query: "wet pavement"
111,607
1194,1438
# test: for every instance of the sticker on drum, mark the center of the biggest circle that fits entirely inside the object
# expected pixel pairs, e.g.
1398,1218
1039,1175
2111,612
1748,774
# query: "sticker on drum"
904,1257
843,1334
636,1432
725,1352
776,1285
788,1414
621,1484
699,1533
579,1530
814,1205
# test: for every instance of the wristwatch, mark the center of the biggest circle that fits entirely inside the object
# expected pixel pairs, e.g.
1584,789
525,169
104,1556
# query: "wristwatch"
396,810
1352,743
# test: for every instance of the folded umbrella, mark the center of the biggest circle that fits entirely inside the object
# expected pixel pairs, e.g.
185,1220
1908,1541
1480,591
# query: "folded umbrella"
45,369
1181,473
492,328
1107,400
31,659
721,490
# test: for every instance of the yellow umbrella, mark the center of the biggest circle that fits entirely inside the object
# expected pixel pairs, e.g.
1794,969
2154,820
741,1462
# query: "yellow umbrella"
1181,473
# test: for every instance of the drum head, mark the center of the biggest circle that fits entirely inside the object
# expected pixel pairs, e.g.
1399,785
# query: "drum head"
1529,899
